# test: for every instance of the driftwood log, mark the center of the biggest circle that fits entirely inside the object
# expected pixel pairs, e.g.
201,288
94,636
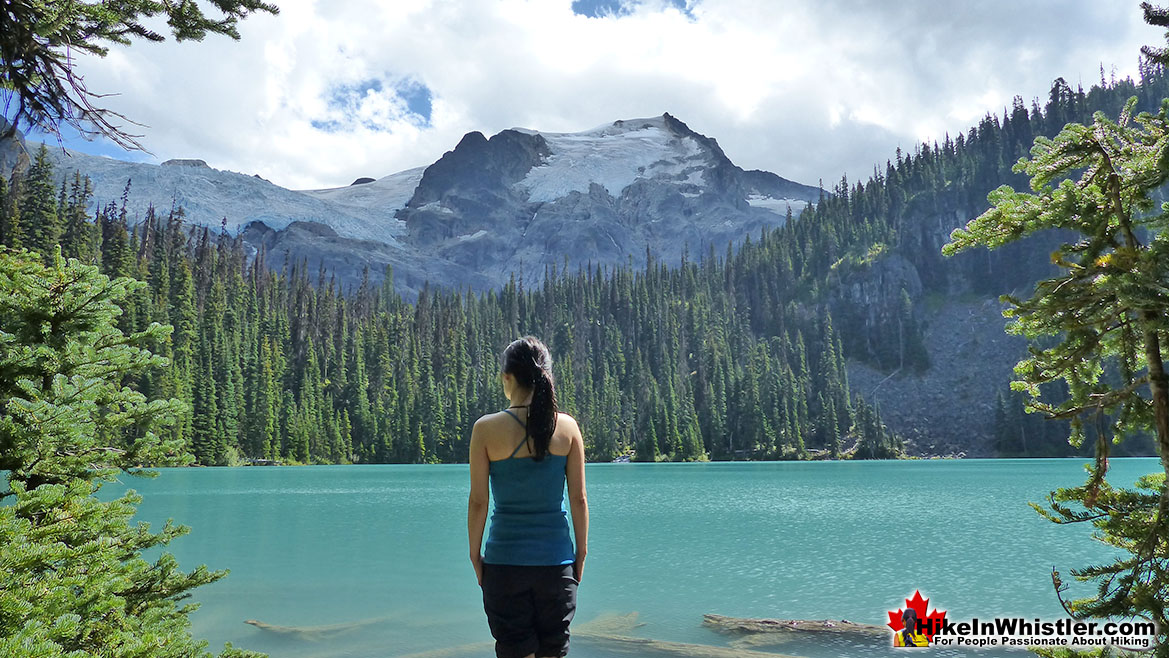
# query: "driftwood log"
743,625
771,632
316,633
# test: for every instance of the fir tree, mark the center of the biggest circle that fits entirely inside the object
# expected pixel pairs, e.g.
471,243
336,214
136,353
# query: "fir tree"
1106,308
75,582
77,239
38,207
8,216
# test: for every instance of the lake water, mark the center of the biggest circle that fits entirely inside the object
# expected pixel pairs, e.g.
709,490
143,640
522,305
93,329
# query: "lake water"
386,545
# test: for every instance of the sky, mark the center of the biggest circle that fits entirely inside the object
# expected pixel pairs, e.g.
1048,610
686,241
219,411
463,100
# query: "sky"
333,90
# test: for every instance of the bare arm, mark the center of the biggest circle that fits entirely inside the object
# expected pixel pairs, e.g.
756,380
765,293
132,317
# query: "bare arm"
578,499
477,501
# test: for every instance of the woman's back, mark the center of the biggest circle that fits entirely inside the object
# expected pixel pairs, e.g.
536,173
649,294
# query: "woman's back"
503,436
529,525
524,458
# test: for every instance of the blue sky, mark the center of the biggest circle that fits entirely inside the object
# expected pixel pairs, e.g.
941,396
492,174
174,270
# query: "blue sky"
326,92
70,138
411,99
605,8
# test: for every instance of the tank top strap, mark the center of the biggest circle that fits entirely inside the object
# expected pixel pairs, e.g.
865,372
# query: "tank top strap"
522,424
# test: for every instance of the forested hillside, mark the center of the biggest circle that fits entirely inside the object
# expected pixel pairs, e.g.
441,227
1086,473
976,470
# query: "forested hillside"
739,355
871,252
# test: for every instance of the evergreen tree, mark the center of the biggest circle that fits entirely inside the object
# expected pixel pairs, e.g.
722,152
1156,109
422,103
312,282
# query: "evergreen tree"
38,207
1106,308
117,256
183,317
1158,16
75,582
9,219
77,239
206,432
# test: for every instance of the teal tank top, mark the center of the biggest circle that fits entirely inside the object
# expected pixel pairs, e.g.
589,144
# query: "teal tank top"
529,526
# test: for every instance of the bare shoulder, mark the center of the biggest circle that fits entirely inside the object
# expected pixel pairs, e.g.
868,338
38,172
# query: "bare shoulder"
569,423
574,439
487,420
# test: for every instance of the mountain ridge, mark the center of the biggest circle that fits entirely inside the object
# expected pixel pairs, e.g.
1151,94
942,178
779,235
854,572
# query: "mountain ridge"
521,200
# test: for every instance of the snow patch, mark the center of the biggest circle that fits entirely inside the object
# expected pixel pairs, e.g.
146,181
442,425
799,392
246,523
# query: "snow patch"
613,156
435,206
391,192
472,236
209,195
378,202
777,206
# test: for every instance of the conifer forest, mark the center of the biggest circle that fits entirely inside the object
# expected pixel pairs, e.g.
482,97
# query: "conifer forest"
729,354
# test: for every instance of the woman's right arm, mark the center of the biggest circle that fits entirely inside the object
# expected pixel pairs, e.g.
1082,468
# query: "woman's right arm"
477,501
578,499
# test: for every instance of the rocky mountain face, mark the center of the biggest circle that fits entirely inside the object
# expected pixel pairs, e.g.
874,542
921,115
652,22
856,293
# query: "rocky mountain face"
523,200
949,408
13,151
520,201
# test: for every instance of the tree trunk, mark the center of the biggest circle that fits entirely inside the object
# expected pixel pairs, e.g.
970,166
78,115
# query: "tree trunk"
1159,387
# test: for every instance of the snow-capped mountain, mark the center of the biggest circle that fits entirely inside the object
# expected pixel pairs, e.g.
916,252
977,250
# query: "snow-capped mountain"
526,199
519,202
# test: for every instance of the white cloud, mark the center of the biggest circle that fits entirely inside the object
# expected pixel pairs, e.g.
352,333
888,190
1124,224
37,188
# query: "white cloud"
809,89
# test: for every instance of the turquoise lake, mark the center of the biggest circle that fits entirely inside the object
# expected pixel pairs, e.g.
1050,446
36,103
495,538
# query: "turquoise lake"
384,548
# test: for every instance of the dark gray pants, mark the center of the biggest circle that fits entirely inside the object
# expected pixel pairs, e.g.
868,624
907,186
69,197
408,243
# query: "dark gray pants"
529,608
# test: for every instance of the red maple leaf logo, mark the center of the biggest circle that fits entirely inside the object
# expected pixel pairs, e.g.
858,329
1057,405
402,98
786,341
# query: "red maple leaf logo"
930,623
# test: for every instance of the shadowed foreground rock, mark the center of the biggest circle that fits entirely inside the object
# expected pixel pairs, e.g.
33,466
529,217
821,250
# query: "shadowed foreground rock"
607,635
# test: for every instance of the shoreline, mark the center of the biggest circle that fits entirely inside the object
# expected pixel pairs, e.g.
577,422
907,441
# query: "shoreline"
947,458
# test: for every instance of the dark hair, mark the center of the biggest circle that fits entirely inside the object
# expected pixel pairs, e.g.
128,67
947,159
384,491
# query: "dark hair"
910,627
529,361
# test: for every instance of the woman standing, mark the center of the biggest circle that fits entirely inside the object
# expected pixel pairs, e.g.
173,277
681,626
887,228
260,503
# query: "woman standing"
529,570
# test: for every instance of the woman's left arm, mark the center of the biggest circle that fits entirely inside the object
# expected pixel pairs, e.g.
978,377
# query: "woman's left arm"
477,501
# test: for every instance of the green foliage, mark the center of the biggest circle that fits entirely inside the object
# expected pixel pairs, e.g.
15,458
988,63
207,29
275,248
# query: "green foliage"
38,206
66,413
74,581
39,40
1158,16
1064,652
79,237
873,439
274,366
1135,582
735,349
1104,314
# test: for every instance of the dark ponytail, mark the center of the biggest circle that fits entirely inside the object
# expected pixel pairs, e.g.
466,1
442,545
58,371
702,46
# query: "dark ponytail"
529,361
